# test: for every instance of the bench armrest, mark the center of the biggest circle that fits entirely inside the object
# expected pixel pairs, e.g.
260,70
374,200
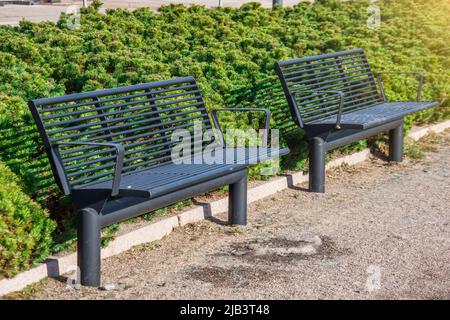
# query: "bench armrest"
219,129
335,92
120,152
418,74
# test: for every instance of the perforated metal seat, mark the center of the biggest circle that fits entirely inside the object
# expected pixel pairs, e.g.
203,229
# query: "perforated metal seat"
377,114
169,177
166,178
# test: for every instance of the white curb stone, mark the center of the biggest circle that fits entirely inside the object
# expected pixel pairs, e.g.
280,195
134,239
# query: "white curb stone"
298,177
440,127
23,279
152,232
203,211
417,133
216,207
350,159
191,216
54,267
58,266
266,189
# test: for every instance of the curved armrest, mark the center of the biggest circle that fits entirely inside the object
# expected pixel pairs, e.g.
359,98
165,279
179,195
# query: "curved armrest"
335,92
418,74
267,122
120,152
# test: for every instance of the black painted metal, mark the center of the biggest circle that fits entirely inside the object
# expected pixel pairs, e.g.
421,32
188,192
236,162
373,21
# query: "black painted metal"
417,74
89,241
335,99
110,150
396,144
140,118
317,165
277,3
377,114
267,112
341,138
133,206
237,202
308,82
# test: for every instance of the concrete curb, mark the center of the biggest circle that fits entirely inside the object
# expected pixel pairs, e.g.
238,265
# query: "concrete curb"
56,266
417,133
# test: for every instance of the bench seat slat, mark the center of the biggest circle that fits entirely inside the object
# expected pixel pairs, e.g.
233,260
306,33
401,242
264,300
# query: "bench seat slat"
306,85
92,137
322,112
129,151
327,71
377,114
301,68
117,98
85,154
316,60
119,108
317,107
169,177
44,102
353,84
130,120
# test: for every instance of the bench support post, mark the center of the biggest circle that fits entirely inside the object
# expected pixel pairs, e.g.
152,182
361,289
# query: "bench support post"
317,165
396,144
89,242
237,202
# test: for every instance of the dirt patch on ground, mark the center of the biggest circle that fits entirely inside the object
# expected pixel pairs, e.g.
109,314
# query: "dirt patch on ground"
283,250
236,277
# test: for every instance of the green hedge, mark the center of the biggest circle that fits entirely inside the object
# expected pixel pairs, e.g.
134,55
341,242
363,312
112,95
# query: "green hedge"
25,228
229,51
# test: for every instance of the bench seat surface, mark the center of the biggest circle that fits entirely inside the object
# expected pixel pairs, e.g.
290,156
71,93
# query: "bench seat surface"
377,114
171,176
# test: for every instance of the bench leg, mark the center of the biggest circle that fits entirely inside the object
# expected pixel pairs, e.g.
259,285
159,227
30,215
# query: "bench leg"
317,165
89,242
396,144
237,202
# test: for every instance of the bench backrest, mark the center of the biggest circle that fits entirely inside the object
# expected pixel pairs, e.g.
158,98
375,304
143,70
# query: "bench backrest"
347,71
139,117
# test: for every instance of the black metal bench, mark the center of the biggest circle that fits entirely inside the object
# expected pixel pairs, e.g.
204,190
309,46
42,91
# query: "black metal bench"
334,98
111,151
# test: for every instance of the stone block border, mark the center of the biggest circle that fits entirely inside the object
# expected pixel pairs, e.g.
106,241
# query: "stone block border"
419,132
56,266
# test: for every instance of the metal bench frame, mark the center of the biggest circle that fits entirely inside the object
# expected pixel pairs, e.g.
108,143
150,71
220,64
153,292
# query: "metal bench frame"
100,206
328,96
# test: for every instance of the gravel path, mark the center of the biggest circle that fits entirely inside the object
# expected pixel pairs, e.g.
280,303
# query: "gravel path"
382,231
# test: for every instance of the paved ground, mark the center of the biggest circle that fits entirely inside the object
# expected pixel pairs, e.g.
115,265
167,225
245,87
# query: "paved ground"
380,232
12,14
